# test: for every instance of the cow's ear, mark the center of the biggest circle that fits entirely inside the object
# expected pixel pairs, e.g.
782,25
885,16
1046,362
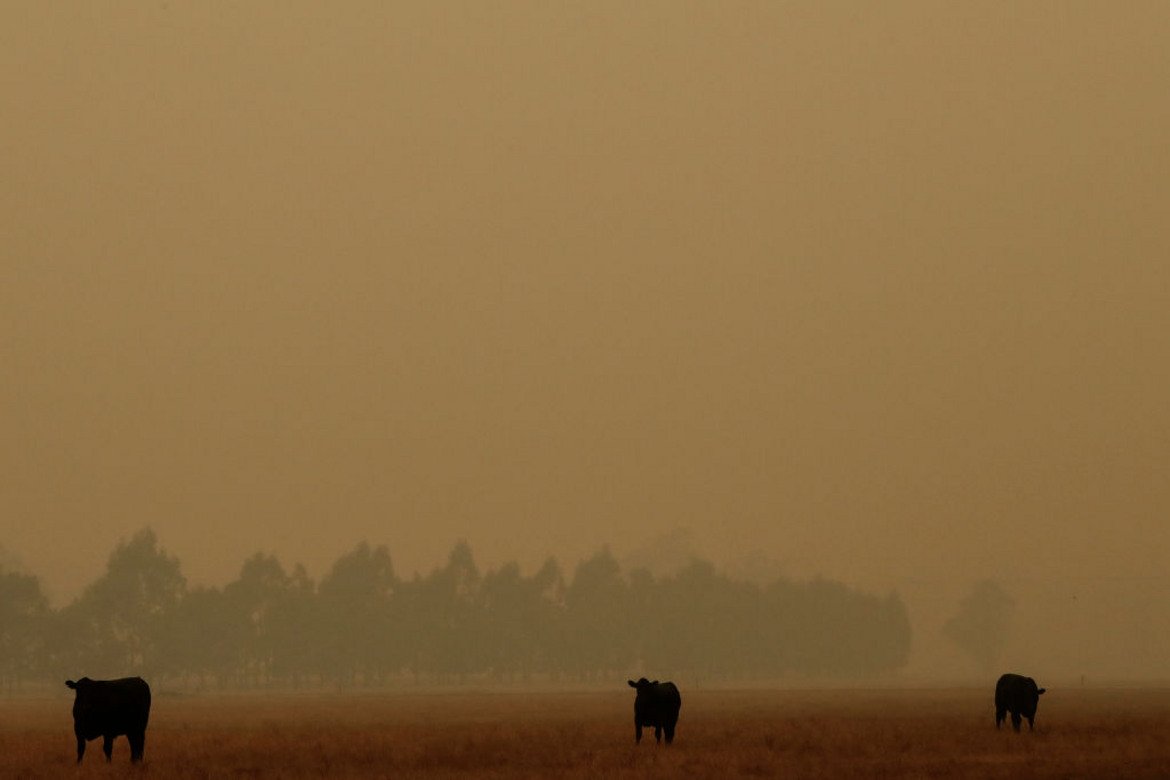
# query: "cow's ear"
1041,691
70,684
632,683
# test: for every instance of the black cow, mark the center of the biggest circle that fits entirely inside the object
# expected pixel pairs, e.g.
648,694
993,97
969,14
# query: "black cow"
656,705
108,709
1018,695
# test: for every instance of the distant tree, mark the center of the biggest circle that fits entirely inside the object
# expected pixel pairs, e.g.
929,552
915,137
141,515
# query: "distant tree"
823,628
362,625
888,633
599,632
116,626
199,639
264,606
546,606
24,611
519,618
981,626
443,618
707,623
293,630
357,625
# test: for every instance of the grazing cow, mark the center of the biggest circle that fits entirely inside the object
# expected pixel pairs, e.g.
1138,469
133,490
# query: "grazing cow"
656,705
108,709
1018,695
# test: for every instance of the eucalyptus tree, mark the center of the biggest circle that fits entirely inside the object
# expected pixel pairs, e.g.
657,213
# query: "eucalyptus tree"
24,612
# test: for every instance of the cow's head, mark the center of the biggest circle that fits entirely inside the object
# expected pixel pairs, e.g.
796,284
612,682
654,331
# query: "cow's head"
642,684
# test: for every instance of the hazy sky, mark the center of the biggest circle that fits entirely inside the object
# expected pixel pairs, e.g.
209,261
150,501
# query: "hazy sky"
878,290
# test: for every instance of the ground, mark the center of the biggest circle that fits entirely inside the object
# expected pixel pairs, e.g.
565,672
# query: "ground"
812,733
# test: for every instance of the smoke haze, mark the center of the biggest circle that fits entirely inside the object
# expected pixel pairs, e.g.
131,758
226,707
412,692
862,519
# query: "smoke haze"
873,292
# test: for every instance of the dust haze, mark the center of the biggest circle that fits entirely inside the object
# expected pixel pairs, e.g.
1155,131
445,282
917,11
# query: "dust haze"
874,293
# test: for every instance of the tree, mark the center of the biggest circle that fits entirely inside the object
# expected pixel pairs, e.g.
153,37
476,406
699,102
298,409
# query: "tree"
824,628
356,605
443,616
266,609
23,612
199,640
117,624
519,617
599,631
292,629
980,628
701,622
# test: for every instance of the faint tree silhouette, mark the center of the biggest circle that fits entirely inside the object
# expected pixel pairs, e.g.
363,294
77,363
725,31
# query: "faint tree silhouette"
599,632
200,638
981,626
24,612
264,605
519,616
443,617
118,622
357,617
363,625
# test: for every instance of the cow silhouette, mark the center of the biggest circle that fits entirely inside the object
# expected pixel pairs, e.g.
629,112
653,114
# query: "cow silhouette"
656,706
1018,695
108,709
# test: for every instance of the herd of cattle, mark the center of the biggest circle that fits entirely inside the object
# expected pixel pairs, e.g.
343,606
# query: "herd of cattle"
115,708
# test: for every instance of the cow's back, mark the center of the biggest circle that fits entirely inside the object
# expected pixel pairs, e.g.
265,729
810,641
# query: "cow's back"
1013,689
128,695
669,696
659,704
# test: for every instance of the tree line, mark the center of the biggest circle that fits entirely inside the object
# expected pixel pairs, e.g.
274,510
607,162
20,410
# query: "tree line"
363,625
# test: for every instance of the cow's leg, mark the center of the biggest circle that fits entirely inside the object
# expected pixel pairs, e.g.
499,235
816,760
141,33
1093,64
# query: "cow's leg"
999,716
80,747
657,733
669,733
108,747
1016,721
137,743
1031,725
637,732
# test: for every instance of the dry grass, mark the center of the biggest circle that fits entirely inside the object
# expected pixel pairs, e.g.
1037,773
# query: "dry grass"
870,734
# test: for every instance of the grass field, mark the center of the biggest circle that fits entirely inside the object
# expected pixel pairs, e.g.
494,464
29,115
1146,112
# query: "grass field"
830,734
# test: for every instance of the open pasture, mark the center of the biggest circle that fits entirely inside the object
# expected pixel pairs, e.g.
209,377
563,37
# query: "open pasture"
829,734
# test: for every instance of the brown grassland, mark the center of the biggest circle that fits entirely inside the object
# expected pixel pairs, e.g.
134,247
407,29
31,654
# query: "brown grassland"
830,733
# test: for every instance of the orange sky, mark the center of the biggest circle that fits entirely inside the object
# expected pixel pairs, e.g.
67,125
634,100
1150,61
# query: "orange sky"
879,291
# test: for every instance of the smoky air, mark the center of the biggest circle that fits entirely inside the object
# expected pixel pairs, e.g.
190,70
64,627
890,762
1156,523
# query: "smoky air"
876,296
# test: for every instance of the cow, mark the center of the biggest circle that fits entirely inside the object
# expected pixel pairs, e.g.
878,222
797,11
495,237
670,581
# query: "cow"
108,709
656,705
1018,695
